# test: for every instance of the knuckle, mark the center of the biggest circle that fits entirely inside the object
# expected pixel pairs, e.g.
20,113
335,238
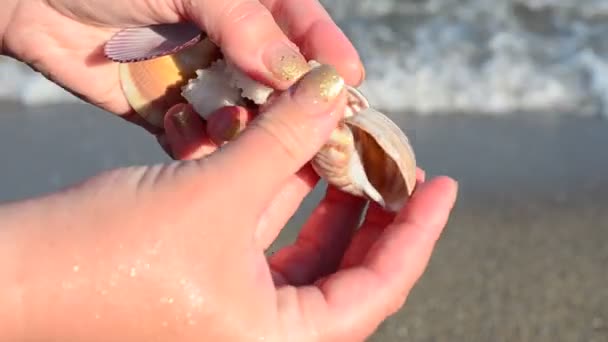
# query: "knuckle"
247,16
244,11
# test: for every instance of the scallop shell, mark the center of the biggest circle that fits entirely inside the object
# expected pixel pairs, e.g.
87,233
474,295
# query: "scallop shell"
154,85
367,155
142,43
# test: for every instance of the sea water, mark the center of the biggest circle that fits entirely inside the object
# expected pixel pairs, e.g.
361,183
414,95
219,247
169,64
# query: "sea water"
493,57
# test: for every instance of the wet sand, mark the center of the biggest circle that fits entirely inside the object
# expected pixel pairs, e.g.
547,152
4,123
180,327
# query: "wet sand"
524,257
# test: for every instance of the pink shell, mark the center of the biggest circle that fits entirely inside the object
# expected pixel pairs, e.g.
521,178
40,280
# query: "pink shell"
147,42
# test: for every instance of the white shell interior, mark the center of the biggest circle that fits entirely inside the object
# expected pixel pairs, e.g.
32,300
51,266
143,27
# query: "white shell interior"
220,85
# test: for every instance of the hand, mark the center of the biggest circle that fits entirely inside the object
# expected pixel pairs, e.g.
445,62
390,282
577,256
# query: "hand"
176,252
65,41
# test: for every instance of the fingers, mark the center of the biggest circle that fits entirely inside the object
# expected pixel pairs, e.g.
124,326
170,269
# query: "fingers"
281,140
322,241
356,300
400,255
289,198
309,25
187,139
190,137
376,221
185,134
284,205
250,37
420,175
227,123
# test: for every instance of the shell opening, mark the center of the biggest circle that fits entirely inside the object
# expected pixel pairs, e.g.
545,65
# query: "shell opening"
378,170
358,171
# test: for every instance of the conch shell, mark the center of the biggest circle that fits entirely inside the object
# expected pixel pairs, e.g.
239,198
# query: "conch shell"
367,155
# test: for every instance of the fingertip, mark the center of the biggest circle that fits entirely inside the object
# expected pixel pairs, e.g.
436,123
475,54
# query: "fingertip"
420,175
226,123
250,38
182,124
327,44
429,208
448,186
439,187
185,133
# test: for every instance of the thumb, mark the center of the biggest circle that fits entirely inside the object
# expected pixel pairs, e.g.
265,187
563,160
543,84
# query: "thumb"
285,136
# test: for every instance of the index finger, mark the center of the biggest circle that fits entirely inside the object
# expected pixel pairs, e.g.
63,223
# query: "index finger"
309,26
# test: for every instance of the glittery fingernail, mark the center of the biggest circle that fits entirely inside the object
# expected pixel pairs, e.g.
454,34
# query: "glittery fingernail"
231,128
186,122
226,125
285,62
322,84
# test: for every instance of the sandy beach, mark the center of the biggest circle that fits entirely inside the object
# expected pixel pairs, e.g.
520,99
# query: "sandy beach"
524,257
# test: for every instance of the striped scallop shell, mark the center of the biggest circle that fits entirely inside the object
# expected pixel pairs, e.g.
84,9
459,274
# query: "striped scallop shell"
143,43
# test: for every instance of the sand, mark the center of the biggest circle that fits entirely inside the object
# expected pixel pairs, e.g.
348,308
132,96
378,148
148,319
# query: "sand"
524,256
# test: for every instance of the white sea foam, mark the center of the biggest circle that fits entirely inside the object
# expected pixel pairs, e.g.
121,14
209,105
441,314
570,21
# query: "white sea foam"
446,56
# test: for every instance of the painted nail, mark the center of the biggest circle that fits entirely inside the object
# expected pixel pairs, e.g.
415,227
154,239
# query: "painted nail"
321,84
186,122
285,62
227,129
227,124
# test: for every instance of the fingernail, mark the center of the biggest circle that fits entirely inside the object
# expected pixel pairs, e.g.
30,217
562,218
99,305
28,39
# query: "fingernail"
321,84
285,62
186,122
227,129
227,123
233,128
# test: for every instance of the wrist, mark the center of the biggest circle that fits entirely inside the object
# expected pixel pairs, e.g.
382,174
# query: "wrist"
6,15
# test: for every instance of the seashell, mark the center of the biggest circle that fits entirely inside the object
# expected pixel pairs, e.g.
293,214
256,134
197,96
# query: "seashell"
152,86
367,155
142,43
222,84
211,90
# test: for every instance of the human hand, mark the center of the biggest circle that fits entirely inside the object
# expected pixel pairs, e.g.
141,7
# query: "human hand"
65,41
176,252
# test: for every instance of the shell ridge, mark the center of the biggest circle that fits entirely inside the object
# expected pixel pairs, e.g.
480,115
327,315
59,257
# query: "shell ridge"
148,42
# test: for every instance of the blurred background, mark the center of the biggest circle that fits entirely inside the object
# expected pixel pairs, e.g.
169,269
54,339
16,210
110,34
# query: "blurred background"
509,97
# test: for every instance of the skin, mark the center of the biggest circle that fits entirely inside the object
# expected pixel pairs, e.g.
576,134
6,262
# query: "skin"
176,251
73,33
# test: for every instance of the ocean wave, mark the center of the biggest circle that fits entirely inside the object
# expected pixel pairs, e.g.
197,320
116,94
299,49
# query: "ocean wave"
445,56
